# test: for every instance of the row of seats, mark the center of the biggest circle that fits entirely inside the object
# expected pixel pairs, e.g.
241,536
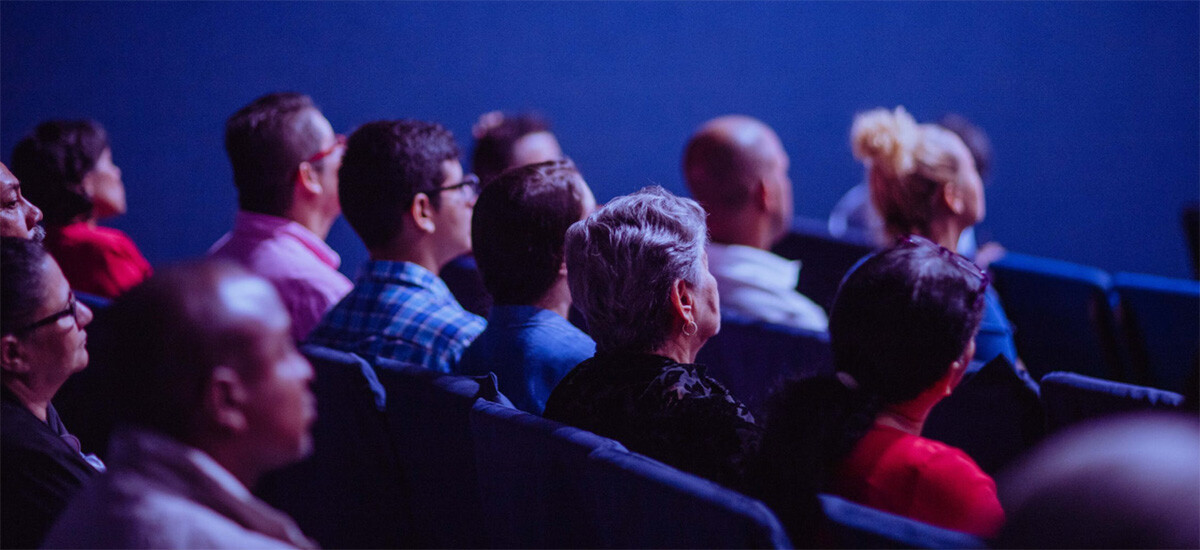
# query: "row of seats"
1136,328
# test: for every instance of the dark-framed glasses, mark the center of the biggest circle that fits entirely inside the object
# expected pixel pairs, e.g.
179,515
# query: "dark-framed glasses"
53,317
469,181
338,143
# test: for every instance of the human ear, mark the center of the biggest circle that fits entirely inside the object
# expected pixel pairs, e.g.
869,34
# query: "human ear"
952,196
682,301
306,179
224,398
422,213
10,355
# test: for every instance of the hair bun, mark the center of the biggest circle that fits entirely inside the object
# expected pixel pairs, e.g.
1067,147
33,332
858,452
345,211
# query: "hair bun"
886,140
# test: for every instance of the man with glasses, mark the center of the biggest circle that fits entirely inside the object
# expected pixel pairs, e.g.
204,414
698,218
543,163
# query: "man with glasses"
404,193
285,160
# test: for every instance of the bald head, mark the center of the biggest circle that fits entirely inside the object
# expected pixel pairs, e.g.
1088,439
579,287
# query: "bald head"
735,166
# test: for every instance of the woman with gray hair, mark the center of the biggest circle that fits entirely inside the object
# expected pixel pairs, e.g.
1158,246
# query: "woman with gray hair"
638,272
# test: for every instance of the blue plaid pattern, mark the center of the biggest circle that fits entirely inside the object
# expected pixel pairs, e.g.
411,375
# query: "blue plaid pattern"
400,311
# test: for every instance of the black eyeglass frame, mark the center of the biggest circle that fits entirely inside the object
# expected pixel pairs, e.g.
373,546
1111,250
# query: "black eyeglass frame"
71,309
469,180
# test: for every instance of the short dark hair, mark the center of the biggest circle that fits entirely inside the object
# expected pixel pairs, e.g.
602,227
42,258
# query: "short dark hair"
386,164
519,227
494,143
51,163
21,288
266,145
164,338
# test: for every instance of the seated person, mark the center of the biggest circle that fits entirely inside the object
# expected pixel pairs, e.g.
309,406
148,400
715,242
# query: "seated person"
66,168
42,343
518,229
923,181
638,272
737,168
902,332
501,142
212,395
285,159
403,191
18,217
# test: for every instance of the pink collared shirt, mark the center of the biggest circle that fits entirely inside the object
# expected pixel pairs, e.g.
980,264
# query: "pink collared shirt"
300,265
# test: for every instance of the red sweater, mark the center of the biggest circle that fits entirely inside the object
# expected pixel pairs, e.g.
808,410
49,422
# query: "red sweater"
97,260
921,479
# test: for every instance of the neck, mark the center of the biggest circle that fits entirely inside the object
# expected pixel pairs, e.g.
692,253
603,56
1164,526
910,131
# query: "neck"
418,253
910,416
946,233
679,349
743,227
312,220
32,399
557,299
229,457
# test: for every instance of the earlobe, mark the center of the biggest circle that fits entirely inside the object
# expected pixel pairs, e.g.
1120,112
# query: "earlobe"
422,213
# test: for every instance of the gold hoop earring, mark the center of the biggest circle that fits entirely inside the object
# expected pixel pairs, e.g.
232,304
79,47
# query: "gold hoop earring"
694,326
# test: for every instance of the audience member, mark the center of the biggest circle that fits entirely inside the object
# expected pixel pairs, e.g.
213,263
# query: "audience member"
501,142
518,231
285,160
18,216
67,170
924,182
1125,482
213,394
737,169
42,344
902,332
855,213
638,272
404,193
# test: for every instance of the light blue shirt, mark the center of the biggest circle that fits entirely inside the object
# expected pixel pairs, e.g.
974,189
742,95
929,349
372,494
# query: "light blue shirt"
530,349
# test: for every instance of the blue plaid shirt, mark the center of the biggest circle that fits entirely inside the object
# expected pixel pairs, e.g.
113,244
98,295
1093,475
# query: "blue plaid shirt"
400,311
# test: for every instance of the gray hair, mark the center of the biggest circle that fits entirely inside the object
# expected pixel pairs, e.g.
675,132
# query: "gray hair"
623,259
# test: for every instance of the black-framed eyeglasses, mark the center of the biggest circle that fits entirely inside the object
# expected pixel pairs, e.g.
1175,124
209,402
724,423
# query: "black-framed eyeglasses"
470,181
53,317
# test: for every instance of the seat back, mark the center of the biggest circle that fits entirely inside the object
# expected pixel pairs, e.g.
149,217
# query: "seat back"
1190,216
429,420
751,358
1069,398
532,478
1062,315
348,493
824,260
856,526
994,415
643,503
92,301
1161,320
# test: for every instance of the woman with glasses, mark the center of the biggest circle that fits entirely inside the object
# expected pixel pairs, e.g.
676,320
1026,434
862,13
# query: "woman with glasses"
902,331
66,169
42,342
924,181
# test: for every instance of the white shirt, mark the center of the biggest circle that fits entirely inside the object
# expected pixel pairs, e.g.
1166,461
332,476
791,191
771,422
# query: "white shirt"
758,285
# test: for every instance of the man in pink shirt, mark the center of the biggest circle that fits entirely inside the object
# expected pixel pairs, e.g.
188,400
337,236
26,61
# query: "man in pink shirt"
285,160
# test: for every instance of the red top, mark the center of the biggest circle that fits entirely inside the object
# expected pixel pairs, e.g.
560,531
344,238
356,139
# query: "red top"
97,260
921,479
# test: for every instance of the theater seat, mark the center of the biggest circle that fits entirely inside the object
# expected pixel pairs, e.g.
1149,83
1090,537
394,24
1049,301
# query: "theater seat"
1062,315
751,358
1161,321
857,526
643,503
348,493
1069,398
429,420
824,260
532,479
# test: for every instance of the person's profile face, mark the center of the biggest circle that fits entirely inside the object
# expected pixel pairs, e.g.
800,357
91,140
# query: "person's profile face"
708,303
332,149
452,218
56,347
18,216
105,187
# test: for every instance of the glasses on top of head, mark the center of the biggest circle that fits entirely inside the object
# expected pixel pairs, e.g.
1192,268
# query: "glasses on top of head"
470,181
54,317
339,141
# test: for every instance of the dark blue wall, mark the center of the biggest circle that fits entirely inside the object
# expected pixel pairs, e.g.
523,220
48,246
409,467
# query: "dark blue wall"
1092,107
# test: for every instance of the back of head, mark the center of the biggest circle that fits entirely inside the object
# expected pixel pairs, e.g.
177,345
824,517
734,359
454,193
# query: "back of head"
1122,482
21,287
907,166
496,136
723,161
623,259
172,332
519,228
386,164
266,141
51,163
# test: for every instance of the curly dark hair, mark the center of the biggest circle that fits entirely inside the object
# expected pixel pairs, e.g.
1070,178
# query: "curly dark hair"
51,163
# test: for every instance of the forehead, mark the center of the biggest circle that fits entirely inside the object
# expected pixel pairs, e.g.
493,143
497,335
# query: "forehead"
7,179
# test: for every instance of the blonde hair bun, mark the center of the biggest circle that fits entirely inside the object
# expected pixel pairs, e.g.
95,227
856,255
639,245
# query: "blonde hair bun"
886,140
